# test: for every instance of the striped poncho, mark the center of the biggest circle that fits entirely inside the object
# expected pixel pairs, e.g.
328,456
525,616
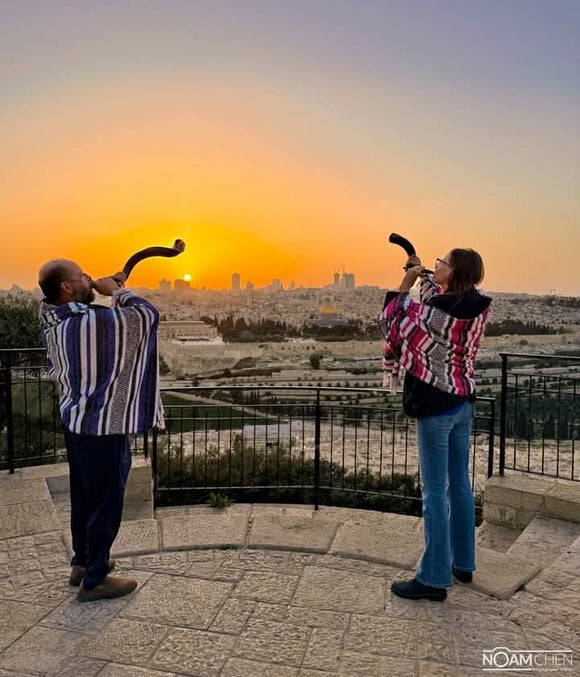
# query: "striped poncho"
104,361
429,343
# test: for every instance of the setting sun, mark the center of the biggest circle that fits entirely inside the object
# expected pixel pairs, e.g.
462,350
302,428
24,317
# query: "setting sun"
187,277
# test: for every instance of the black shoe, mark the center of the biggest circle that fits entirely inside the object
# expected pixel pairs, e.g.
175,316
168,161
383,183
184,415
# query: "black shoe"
463,576
415,590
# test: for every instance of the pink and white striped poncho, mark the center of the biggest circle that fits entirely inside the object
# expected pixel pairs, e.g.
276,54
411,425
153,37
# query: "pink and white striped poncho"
429,343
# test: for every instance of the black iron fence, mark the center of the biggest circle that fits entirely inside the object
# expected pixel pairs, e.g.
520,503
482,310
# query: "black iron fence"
30,428
539,424
351,446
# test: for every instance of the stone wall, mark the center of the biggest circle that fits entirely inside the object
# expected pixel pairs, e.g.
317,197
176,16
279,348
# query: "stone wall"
515,499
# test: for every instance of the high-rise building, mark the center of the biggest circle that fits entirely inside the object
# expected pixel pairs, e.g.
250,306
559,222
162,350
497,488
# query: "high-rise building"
349,281
276,285
336,283
249,286
181,285
235,282
165,286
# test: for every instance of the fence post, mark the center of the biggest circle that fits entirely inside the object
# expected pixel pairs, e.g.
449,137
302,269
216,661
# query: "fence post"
146,444
9,412
491,440
317,450
503,413
154,464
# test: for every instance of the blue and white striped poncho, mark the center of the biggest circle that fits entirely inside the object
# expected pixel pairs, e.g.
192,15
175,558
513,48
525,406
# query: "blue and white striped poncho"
104,361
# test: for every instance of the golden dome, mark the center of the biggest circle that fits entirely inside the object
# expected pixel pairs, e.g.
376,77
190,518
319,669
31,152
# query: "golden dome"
327,309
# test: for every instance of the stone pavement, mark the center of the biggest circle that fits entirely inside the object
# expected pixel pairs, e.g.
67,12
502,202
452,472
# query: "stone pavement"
297,594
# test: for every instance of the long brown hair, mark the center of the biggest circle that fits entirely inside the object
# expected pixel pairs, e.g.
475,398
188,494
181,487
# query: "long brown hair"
466,270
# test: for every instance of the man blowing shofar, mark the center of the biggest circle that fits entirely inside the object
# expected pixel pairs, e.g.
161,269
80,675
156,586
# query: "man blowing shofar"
104,362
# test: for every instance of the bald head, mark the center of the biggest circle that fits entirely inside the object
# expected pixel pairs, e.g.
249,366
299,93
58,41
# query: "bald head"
62,281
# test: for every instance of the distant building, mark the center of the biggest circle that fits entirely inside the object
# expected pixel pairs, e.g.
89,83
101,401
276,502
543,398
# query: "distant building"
336,283
249,286
328,317
235,282
348,281
276,285
165,286
187,330
181,285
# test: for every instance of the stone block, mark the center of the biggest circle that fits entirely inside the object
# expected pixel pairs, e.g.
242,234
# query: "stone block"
518,490
233,616
371,634
24,491
217,530
496,536
499,574
117,670
397,540
81,667
44,471
266,587
136,537
41,651
24,519
188,602
125,641
544,539
193,652
324,649
304,532
60,484
503,515
241,667
273,642
316,618
76,617
563,501
16,619
336,590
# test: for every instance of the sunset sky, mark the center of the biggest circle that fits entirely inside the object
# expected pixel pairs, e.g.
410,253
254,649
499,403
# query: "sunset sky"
288,138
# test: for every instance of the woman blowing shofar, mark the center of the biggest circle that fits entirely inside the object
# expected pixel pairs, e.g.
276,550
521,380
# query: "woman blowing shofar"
436,342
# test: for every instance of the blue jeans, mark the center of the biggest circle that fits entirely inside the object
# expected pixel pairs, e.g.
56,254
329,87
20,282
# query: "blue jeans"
448,507
99,467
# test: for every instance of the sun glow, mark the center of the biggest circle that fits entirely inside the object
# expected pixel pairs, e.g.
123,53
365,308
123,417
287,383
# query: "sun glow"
187,277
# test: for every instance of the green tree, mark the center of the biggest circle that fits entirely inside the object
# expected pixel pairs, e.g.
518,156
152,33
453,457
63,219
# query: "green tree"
315,360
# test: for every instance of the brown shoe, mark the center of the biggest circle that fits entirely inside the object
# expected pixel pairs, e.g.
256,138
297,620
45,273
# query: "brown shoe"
78,573
111,587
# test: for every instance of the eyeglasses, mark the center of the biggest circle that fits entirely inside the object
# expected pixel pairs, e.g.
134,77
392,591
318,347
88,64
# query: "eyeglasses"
443,262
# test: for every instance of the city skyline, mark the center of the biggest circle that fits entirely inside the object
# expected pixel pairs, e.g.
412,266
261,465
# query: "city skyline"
286,137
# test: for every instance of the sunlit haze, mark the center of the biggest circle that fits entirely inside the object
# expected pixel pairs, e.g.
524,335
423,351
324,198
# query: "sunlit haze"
288,139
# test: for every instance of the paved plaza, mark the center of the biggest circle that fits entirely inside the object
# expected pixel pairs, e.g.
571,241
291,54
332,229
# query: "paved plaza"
268,591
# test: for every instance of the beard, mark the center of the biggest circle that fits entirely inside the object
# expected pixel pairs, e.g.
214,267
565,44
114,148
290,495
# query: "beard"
87,296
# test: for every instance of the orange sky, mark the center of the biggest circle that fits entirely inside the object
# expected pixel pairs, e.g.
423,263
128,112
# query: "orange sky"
286,178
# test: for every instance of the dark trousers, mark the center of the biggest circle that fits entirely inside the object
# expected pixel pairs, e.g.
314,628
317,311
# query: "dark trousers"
99,467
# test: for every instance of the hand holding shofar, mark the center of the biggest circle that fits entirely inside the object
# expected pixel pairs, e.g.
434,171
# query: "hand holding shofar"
395,238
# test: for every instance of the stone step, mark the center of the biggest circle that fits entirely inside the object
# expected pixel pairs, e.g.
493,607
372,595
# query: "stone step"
500,574
135,537
544,540
205,528
496,537
310,531
393,539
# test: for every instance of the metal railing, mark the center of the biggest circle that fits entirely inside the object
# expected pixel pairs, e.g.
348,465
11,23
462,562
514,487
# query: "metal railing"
352,446
313,444
30,428
539,424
